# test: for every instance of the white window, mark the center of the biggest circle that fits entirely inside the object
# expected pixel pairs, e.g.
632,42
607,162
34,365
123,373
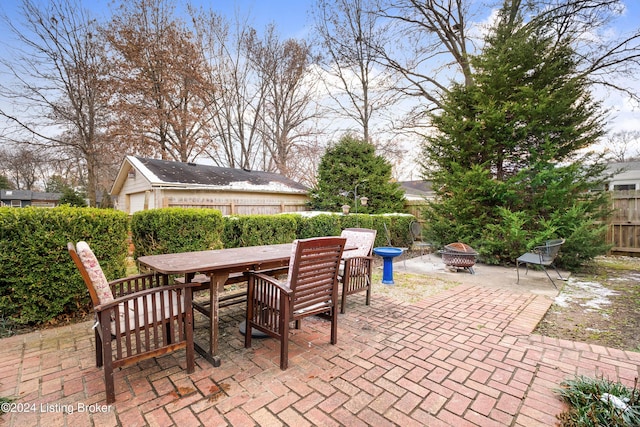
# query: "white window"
624,187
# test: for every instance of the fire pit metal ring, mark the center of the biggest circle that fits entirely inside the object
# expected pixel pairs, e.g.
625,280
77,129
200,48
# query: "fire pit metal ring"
459,255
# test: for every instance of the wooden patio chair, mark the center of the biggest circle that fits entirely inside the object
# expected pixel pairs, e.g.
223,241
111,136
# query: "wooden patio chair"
544,256
355,271
311,288
137,317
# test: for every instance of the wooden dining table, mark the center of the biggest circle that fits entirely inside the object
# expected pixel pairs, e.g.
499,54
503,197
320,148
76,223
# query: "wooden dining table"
218,264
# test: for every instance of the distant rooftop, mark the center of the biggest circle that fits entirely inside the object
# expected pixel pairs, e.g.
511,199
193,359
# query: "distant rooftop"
166,172
417,190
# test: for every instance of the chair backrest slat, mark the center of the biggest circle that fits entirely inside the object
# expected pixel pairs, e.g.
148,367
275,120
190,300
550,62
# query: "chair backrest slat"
550,249
314,273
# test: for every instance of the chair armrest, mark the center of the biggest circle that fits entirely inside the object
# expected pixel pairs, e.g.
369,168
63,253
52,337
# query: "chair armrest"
270,280
149,291
369,257
276,271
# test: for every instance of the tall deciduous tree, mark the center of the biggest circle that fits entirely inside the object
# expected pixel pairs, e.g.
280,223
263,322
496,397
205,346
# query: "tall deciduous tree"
349,34
623,146
351,166
238,95
160,82
57,86
504,160
288,109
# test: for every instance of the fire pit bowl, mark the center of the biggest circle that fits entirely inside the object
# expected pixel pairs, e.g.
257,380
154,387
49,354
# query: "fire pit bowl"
459,255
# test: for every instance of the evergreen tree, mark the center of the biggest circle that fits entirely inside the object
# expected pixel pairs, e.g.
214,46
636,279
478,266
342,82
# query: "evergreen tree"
5,184
351,166
504,160
56,184
72,198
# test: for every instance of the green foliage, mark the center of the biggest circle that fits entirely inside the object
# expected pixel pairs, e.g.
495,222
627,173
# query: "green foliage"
39,280
4,400
72,198
591,403
254,230
504,160
394,228
173,230
357,221
55,184
349,167
5,184
319,225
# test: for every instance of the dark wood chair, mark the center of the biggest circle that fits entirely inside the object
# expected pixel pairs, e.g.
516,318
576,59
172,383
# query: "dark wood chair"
355,271
544,256
311,288
137,318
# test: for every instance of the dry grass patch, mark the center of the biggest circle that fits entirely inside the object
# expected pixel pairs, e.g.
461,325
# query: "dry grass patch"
409,287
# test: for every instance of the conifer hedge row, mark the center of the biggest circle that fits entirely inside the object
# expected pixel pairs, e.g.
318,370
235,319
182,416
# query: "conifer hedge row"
39,282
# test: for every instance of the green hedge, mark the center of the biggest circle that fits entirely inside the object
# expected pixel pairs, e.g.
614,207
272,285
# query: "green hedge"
254,230
39,281
173,230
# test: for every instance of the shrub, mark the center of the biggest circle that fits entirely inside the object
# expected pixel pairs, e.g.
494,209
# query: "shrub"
174,230
319,225
599,402
39,280
254,230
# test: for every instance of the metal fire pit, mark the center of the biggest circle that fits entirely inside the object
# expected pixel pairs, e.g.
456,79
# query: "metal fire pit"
459,255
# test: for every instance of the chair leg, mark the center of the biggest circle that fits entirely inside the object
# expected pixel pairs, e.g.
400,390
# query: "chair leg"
108,363
518,271
99,359
188,331
559,275
334,325
247,335
343,298
547,273
284,345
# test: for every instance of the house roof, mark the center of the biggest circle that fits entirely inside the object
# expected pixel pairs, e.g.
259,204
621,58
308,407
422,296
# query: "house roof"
619,167
28,195
417,190
164,173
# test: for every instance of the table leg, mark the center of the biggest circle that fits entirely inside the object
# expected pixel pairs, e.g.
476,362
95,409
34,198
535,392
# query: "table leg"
217,281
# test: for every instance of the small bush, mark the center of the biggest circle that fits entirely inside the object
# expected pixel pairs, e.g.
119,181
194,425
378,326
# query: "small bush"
39,280
319,225
599,402
174,230
255,230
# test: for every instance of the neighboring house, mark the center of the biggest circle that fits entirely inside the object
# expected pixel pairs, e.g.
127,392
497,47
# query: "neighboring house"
626,176
148,184
22,198
416,195
417,190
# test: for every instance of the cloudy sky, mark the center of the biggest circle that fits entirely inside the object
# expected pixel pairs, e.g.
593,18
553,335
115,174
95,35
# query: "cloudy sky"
292,20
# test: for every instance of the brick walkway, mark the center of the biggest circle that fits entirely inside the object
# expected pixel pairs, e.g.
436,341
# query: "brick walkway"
465,357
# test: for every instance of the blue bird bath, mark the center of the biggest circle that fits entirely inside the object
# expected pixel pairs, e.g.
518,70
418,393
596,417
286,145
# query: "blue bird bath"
387,253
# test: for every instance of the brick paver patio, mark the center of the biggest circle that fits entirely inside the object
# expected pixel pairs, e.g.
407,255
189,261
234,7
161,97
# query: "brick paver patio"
464,357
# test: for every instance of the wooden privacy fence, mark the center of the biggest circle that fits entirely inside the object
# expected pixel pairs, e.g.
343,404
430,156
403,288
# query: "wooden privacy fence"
624,226
266,206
